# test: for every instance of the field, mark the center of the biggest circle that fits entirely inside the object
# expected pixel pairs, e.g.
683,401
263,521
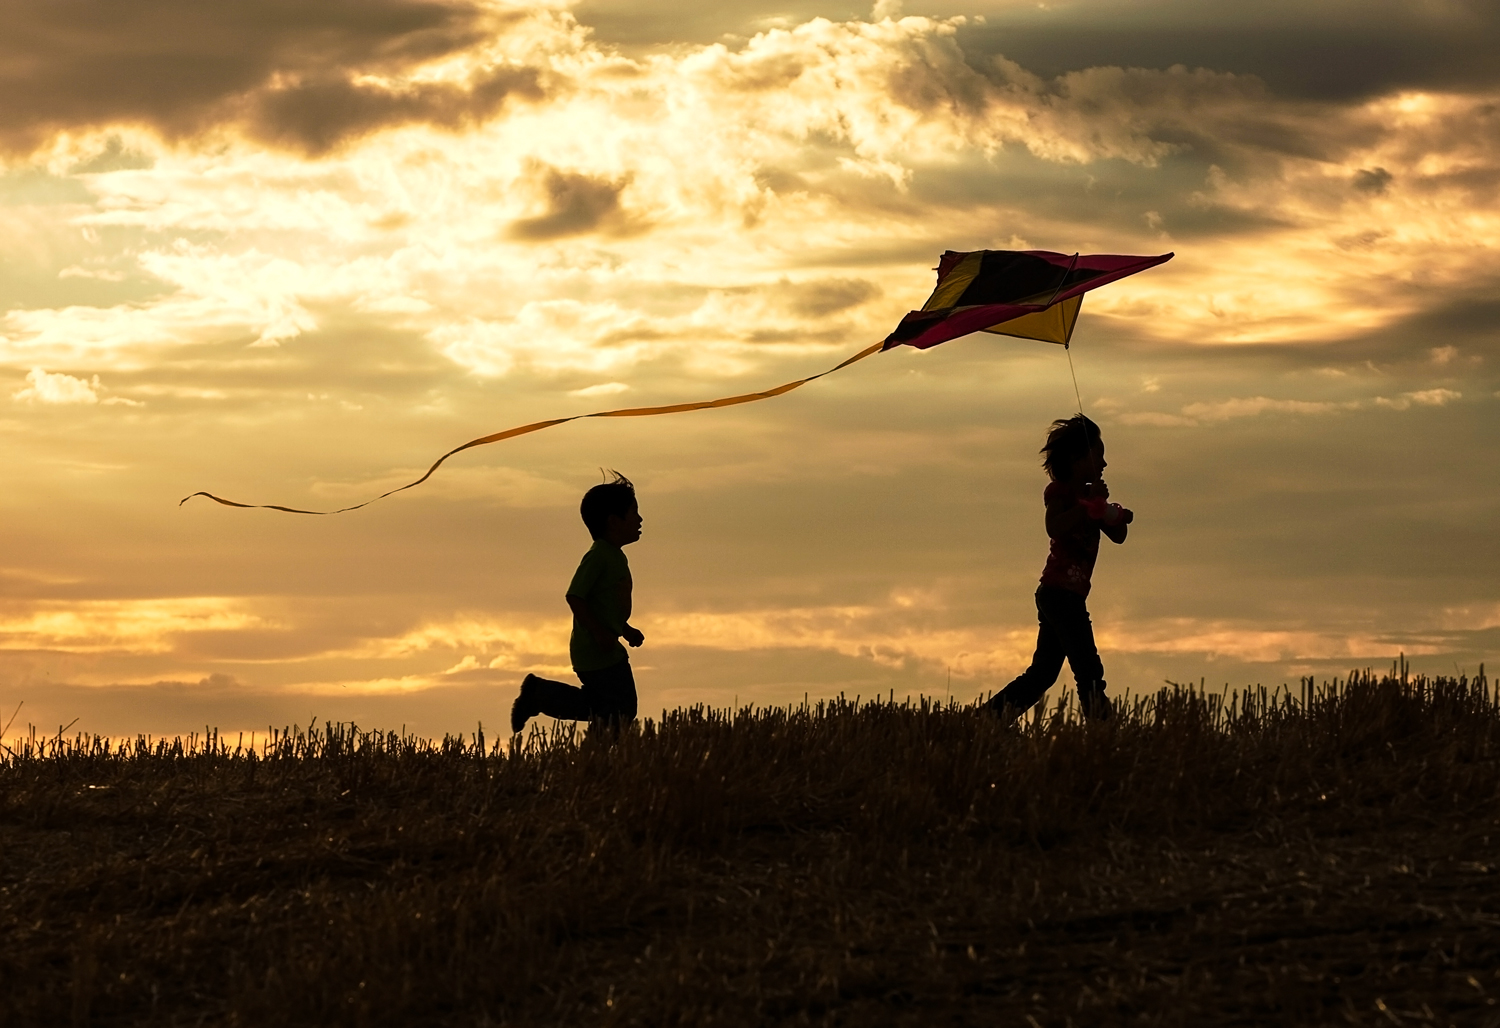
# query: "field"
1324,855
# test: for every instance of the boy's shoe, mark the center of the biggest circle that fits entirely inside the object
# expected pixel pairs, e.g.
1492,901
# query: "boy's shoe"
526,707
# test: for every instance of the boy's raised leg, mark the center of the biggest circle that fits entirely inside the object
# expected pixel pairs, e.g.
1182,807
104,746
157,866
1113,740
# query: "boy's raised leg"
544,696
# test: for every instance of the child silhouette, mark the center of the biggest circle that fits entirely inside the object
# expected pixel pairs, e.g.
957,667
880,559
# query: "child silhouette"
599,596
1078,510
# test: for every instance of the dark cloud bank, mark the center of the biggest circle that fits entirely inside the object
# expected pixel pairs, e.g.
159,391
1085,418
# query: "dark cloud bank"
288,72
282,68
1332,50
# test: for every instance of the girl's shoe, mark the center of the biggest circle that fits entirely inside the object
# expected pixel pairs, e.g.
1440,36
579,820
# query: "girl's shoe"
1094,704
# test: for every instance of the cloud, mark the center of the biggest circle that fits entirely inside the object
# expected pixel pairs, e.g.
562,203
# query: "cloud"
1338,50
601,389
574,204
1372,180
304,75
644,183
47,388
1205,412
1335,49
885,634
108,626
317,114
1422,398
1155,419
830,296
500,486
56,388
591,337
906,629
249,293
1244,407
1251,642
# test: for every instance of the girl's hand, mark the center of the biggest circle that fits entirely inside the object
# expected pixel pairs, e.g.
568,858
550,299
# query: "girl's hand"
634,636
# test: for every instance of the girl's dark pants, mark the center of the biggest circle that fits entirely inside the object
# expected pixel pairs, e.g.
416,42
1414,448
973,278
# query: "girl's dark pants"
1064,633
607,696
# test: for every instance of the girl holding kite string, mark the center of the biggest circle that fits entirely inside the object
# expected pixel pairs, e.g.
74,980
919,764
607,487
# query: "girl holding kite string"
1078,512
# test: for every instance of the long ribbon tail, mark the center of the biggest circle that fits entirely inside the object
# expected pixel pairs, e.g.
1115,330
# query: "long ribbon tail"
537,426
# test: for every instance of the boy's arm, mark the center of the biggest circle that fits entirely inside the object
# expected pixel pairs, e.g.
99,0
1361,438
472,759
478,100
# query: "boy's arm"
590,623
630,633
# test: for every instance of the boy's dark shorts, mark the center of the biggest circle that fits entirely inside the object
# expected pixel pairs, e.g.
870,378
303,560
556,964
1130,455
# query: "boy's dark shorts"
610,693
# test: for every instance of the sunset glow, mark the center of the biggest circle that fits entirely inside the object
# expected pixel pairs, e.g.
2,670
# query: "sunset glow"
291,255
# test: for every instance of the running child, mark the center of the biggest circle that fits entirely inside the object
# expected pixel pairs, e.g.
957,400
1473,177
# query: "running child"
599,597
1078,510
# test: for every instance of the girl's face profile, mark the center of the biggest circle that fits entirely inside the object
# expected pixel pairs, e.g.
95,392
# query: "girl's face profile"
1091,466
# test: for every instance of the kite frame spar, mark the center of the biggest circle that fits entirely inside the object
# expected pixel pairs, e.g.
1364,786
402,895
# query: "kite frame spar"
1007,292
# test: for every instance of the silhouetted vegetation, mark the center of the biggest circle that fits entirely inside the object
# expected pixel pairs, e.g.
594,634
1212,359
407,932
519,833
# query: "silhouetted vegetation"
1322,856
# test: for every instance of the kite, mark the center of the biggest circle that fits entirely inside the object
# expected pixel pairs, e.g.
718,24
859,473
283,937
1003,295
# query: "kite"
1028,294
1031,294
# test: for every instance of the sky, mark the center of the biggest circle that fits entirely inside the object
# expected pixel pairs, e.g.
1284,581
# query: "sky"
292,252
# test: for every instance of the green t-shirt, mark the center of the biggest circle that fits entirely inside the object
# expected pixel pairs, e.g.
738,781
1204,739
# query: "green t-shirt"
602,581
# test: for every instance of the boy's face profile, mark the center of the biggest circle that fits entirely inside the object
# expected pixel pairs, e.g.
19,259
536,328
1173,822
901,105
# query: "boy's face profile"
623,529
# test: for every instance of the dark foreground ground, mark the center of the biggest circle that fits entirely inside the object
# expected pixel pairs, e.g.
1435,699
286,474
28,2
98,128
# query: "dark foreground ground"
1327,857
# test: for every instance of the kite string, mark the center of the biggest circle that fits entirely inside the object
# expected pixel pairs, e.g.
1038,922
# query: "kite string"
1071,265
1076,394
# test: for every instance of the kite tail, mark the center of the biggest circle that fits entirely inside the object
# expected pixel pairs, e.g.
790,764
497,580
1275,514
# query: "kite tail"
537,426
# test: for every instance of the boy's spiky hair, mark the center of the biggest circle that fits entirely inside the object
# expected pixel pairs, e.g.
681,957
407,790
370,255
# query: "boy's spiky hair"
1068,440
617,496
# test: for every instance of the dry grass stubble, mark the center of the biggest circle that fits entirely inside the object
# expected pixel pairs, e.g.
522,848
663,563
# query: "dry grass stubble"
1323,858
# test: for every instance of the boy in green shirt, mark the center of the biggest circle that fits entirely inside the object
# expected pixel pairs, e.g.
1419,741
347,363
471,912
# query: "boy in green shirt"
599,597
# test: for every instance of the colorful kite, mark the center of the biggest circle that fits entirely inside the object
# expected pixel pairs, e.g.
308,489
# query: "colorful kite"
1030,294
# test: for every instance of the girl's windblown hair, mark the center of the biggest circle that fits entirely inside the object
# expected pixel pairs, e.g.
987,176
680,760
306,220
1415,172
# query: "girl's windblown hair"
1068,440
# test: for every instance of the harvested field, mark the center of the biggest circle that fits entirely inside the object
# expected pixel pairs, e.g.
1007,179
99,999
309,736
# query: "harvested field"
1325,856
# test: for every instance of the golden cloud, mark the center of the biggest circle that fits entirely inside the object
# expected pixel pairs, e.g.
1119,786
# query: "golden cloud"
114,626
